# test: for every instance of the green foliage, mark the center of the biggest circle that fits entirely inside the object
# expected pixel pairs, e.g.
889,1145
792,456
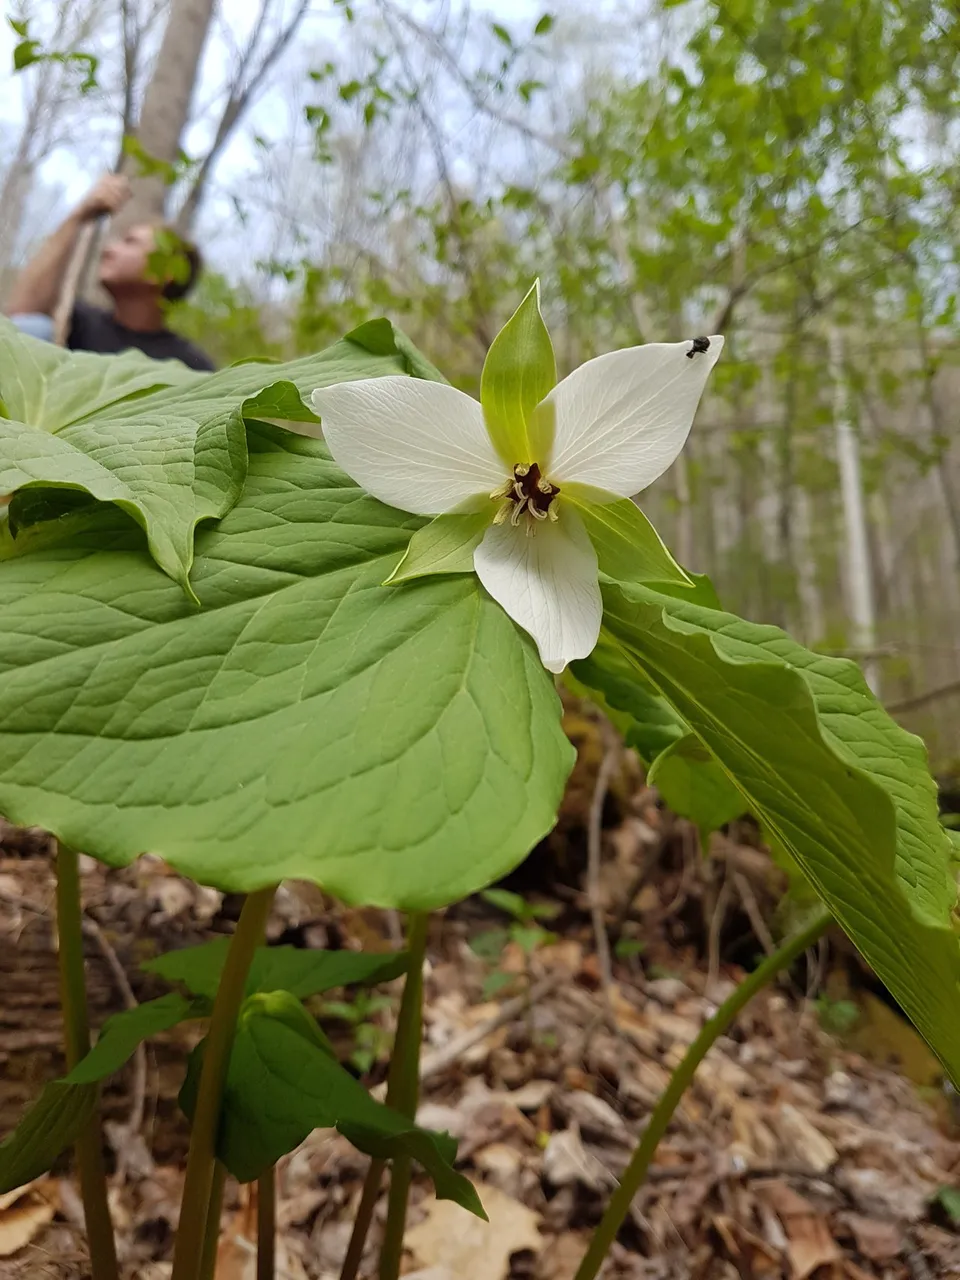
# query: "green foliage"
371,1040
646,720
451,773
695,787
54,1120
28,52
837,1016
123,1032
833,780
48,1128
300,971
104,435
283,1082
524,931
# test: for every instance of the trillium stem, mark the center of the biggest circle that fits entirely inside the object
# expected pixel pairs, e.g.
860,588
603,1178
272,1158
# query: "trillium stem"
200,1177
211,1239
403,1091
267,1224
76,1034
636,1171
361,1225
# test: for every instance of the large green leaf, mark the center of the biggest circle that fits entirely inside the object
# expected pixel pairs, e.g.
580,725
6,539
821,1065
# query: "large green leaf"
295,969
48,1128
283,1082
837,783
169,459
400,745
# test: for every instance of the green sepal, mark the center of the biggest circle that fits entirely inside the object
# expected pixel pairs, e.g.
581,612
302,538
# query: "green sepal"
445,545
628,547
519,371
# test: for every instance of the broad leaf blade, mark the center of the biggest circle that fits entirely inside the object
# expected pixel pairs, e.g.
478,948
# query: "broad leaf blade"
48,1128
297,970
832,778
50,387
170,459
408,737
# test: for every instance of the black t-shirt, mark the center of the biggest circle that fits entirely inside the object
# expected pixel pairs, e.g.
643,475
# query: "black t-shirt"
92,329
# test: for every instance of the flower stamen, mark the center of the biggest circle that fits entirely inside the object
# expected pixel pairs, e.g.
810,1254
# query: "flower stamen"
528,493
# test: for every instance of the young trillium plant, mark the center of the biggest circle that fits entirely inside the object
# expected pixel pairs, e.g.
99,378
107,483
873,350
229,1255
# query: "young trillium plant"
521,471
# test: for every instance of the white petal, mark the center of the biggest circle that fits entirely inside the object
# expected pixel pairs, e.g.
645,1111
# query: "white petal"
547,583
421,446
623,418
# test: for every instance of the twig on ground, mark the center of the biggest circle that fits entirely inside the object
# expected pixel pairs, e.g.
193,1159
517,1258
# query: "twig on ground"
432,1064
752,908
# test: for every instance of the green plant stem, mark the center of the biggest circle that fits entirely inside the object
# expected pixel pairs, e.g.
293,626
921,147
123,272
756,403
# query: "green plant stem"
211,1239
403,1091
267,1224
636,1171
76,1032
199,1180
361,1225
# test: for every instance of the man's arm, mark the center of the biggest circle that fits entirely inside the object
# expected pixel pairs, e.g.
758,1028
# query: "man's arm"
37,287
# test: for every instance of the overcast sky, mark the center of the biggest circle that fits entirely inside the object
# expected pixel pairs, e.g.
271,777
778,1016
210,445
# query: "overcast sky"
70,167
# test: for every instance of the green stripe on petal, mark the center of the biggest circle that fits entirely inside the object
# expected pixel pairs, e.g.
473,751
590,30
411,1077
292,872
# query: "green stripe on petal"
519,371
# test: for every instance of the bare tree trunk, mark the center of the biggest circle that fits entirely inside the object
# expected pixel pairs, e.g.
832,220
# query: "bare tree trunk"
245,83
859,573
166,105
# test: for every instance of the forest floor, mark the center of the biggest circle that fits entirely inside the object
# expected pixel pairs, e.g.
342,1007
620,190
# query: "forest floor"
798,1154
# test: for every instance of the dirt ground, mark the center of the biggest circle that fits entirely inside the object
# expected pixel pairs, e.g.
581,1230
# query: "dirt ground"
797,1154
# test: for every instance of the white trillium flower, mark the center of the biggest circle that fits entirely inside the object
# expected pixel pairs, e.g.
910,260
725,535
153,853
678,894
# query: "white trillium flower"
605,432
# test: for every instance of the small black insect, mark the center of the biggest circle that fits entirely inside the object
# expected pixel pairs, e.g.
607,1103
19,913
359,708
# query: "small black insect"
699,345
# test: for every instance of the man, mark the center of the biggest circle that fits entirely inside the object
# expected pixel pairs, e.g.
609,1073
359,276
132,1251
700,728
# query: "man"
141,271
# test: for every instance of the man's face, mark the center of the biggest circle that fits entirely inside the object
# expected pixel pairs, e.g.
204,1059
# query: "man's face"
124,261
